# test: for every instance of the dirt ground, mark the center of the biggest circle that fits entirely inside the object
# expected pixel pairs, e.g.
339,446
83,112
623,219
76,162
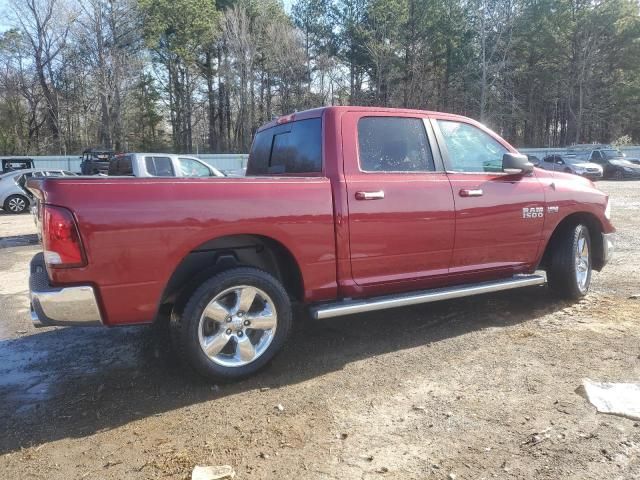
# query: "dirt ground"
477,388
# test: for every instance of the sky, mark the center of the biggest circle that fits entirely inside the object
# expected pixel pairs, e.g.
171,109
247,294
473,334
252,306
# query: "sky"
4,13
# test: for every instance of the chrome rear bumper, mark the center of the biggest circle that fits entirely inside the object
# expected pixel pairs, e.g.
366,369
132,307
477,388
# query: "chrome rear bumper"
67,306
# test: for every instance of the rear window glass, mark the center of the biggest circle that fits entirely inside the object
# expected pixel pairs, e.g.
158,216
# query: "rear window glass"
159,166
295,147
121,165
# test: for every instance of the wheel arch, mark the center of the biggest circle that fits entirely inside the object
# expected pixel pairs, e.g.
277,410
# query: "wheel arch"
223,253
593,223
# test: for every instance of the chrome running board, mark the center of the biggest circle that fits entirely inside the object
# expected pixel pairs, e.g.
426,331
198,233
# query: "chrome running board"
349,307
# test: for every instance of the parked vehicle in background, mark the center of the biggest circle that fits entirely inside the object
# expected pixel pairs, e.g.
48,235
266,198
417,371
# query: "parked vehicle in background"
95,161
15,199
16,163
160,165
571,164
240,172
535,161
344,210
614,163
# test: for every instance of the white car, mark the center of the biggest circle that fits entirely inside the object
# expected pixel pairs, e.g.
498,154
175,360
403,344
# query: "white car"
13,199
161,165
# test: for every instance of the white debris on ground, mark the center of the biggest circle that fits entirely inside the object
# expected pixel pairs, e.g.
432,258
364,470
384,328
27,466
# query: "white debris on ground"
621,399
222,472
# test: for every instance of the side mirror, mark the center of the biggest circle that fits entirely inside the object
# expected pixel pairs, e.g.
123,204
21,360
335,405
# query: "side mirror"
516,164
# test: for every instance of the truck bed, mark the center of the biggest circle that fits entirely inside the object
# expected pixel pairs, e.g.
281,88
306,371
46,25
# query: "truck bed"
128,224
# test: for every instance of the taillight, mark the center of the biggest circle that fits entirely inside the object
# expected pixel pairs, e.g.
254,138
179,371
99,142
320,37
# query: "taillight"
60,238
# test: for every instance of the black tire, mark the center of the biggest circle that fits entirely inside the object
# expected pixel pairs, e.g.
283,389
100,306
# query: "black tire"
563,272
618,175
185,327
16,204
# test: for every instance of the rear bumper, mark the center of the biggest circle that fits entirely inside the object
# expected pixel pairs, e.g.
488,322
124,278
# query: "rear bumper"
67,306
608,246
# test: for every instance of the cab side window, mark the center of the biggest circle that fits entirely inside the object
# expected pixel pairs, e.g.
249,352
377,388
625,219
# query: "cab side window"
470,149
393,144
291,148
159,166
193,168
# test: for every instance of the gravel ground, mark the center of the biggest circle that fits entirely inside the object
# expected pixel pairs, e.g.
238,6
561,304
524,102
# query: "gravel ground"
485,387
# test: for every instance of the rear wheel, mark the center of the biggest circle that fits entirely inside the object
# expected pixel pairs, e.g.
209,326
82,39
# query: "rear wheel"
16,204
233,324
569,274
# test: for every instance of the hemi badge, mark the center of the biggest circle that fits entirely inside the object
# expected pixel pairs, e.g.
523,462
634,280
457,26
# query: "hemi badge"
553,209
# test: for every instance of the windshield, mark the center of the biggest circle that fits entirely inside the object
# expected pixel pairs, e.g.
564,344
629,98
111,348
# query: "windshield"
613,153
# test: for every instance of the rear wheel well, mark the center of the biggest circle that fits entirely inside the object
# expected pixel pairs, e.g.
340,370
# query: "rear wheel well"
228,252
595,231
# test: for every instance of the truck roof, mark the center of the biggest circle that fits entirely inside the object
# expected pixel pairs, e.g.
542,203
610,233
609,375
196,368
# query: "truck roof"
318,112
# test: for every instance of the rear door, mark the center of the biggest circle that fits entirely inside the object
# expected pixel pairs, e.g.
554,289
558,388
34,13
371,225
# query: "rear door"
499,217
401,210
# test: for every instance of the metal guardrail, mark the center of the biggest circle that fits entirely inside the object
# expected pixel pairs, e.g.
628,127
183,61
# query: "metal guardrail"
221,161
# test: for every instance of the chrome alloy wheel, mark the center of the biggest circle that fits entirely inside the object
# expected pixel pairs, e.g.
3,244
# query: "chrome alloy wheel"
582,260
237,326
17,205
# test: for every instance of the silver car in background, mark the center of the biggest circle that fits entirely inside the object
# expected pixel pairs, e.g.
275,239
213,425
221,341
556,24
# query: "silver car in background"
13,198
572,164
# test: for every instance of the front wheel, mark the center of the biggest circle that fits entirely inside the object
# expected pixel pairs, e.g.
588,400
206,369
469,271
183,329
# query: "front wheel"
569,274
618,175
16,204
233,324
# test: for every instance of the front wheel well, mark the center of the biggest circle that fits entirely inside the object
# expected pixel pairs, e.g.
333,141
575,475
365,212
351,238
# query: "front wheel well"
223,253
595,230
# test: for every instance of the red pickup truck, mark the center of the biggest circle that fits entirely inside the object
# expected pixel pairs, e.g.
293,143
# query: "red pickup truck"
344,209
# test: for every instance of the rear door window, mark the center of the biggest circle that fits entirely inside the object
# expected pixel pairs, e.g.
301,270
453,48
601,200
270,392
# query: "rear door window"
394,144
159,166
292,148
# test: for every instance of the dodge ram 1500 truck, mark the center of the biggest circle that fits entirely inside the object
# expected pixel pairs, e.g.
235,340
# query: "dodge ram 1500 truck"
344,209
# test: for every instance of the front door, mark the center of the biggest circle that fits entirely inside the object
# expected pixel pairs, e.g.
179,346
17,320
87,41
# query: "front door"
499,217
401,210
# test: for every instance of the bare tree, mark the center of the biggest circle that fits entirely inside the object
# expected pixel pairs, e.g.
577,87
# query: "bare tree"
46,25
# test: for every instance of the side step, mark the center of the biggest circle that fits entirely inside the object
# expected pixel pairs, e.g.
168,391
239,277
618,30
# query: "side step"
348,307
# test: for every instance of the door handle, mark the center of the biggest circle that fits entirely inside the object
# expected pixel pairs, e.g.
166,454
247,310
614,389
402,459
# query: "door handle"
471,192
378,195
